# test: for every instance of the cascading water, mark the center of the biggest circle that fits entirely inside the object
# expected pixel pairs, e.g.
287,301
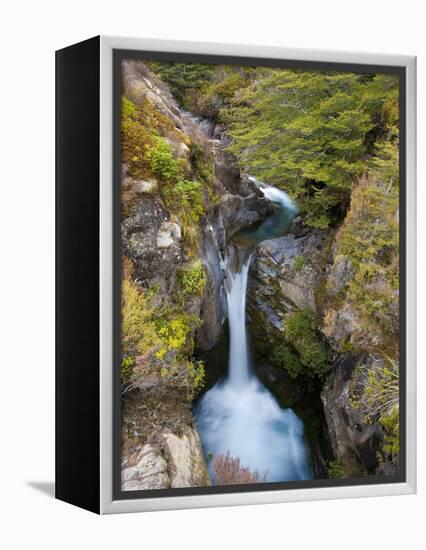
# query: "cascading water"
239,414
238,349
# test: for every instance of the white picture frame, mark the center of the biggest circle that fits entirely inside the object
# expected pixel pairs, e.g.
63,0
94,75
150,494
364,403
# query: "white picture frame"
108,44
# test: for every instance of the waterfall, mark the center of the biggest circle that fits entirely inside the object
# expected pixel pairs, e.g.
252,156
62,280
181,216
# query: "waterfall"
239,415
236,289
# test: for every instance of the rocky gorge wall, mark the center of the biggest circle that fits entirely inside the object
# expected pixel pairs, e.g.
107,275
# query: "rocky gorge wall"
305,274
322,303
172,260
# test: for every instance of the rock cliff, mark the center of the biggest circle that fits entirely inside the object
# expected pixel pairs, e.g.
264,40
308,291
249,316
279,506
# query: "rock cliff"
173,264
307,271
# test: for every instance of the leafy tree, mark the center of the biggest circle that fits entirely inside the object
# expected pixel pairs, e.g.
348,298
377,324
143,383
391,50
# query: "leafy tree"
310,132
182,78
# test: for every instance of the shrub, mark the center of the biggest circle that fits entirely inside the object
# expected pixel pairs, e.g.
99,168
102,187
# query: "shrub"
136,142
127,366
182,196
315,356
193,280
301,331
128,108
175,332
217,94
368,241
138,328
186,197
196,376
229,471
160,334
145,328
175,327
286,357
182,78
301,323
201,163
162,162
311,132
335,470
382,399
299,262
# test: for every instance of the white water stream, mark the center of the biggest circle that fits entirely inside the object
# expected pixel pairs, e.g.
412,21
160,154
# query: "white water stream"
239,414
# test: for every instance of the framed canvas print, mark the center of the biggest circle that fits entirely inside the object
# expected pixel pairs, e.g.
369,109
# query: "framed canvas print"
235,275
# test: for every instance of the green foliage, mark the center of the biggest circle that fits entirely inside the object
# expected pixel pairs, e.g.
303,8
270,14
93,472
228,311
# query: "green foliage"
136,140
301,322
203,89
175,332
182,78
312,133
185,199
301,331
202,164
196,376
369,241
390,425
138,329
381,393
335,470
299,262
163,163
309,132
186,196
141,149
193,279
370,231
217,94
127,366
182,196
304,353
159,334
128,108
285,356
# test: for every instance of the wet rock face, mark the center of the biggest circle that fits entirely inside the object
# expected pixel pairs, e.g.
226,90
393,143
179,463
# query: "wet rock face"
239,212
231,214
160,446
285,275
356,441
213,302
290,274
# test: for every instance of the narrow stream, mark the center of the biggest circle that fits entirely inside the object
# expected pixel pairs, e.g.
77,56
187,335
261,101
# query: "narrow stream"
239,414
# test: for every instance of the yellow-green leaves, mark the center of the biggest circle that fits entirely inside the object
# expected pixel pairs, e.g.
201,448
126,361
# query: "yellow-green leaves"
192,279
310,132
